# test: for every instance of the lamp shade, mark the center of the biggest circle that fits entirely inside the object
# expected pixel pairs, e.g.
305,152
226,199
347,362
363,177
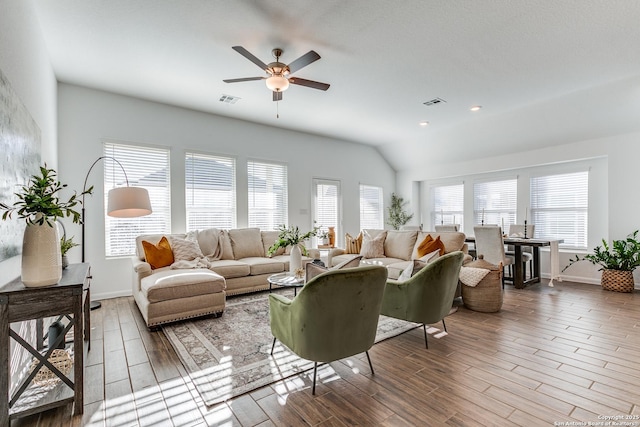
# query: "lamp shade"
128,202
277,83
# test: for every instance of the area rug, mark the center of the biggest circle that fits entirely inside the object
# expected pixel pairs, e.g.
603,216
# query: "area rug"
229,355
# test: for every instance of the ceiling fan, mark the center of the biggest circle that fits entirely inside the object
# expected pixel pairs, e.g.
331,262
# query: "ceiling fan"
279,75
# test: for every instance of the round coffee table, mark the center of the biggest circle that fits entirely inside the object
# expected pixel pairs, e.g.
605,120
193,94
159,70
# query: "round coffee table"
286,280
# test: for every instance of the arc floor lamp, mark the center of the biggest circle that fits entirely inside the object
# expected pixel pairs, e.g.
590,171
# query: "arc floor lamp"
122,202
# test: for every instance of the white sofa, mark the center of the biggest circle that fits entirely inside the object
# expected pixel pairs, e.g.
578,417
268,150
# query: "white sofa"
168,294
400,247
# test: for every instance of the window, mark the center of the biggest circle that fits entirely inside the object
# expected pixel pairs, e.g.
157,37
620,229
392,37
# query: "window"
145,167
371,207
448,205
559,206
210,191
268,197
326,206
494,202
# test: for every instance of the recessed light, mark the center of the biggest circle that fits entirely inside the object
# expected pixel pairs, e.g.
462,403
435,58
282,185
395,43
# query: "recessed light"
424,123
476,108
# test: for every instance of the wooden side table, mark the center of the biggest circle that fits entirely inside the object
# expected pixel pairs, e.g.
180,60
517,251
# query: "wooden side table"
70,299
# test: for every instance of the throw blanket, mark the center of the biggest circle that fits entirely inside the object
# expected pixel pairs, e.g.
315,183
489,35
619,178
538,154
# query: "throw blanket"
471,276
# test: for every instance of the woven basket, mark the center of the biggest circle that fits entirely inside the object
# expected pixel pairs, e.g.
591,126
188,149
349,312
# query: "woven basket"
486,296
617,280
58,358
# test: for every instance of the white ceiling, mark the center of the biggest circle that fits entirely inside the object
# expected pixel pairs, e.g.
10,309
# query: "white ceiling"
545,71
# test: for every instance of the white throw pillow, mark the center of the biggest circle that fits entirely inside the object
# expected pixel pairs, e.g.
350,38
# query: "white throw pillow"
413,267
430,257
373,247
185,249
312,270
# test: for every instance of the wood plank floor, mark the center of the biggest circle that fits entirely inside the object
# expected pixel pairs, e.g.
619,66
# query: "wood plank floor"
552,355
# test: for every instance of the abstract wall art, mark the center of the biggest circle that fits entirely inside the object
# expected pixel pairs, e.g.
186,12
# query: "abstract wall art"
19,160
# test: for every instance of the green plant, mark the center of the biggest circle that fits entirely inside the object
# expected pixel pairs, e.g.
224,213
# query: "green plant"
621,255
397,215
66,244
38,201
291,236
322,234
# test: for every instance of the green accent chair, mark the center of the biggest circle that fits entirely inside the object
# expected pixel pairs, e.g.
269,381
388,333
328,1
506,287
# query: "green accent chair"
428,296
335,315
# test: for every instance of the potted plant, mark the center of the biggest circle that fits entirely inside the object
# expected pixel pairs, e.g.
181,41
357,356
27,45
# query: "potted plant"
39,204
616,262
65,245
323,237
292,236
397,215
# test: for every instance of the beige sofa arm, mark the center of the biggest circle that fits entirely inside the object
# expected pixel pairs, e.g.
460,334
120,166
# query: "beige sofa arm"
141,267
313,253
334,252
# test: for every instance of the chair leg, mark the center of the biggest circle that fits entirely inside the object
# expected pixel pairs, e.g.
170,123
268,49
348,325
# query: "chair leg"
315,368
444,326
426,343
273,345
370,365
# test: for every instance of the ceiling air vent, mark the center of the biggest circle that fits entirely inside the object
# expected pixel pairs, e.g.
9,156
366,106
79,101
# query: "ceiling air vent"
228,99
434,101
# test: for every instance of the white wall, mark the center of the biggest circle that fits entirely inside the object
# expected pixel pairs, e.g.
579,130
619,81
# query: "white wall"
87,117
25,62
616,195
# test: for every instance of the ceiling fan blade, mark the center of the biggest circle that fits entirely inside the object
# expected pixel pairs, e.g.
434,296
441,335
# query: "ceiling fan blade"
303,61
244,52
244,79
277,96
309,83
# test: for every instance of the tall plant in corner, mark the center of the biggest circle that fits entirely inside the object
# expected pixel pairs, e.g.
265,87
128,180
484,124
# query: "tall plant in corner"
397,215
39,204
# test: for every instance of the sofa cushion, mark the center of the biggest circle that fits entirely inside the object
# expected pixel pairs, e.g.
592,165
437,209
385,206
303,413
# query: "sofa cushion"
185,249
268,239
210,242
413,267
246,242
429,245
453,241
226,250
353,245
373,246
399,244
172,285
381,261
151,238
158,255
229,268
262,265
286,258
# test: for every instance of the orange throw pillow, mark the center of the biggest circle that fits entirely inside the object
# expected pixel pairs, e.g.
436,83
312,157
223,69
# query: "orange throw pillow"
159,255
429,245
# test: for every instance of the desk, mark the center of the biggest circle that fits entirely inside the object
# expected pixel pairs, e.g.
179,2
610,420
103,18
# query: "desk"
518,276
19,303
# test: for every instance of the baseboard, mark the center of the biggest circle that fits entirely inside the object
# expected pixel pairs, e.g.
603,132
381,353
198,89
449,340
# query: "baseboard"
580,279
109,295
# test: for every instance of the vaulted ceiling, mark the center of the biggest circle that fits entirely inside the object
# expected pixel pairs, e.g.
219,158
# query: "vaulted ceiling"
545,72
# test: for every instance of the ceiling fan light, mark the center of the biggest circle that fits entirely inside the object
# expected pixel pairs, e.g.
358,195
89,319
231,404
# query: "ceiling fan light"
277,83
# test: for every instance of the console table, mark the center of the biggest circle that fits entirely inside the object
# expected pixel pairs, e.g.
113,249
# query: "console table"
68,299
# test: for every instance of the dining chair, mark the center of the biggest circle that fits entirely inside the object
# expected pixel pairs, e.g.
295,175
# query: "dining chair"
517,230
410,228
489,244
447,228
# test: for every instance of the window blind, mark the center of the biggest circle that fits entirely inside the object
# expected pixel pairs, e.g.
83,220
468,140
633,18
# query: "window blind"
145,167
371,207
210,191
447,202
268,195
559,207
496,201
326,211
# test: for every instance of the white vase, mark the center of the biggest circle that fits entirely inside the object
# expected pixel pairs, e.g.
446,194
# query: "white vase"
295,259
41,259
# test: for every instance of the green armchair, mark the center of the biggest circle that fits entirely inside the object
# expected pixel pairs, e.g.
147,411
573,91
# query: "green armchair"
426,297
335,315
